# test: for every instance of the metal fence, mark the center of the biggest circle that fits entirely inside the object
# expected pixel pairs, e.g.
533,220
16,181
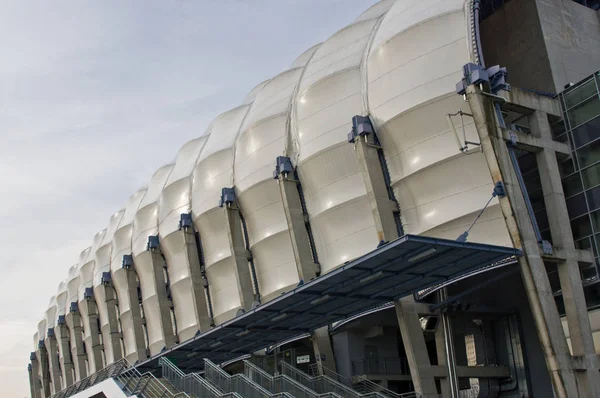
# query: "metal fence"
108,372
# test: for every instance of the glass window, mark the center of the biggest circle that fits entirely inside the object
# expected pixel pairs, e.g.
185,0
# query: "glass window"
589,154
580,93
584,112
576,206
527,161
558,129
572,185
596,220
583,244
566,166
581,227
593,197
587,132
591,176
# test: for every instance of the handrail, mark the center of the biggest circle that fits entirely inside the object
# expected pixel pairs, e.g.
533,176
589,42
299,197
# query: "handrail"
282,383
112,370
134,382
237,383
191,383
325,383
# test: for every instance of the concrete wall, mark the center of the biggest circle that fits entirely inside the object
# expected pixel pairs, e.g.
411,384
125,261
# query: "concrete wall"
543,43
512,37
572,35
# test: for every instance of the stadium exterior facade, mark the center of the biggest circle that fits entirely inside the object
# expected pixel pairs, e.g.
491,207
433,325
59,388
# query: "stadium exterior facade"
218,234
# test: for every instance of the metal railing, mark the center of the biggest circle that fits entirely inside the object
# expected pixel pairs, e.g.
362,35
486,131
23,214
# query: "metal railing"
324,384
112,370
237,383
191,383
380,366
281,383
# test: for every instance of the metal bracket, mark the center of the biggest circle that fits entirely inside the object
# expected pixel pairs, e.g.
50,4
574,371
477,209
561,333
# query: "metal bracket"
88,293
185,221
61,320
500,191
283,166
227,197
50,332
106,278
153,242
361,127
74,307
127,261
494,76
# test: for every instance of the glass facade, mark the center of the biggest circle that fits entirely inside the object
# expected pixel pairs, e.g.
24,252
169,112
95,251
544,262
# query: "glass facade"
581,172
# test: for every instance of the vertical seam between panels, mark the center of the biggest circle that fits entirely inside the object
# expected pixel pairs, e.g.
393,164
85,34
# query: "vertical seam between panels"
364,87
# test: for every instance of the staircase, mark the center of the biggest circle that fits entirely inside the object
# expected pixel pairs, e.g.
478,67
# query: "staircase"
281,383
146,385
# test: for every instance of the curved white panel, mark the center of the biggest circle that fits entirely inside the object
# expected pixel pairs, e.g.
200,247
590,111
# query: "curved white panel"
101,265
72,287
146,224
330,95
253,93
376,10
121,245
61,298
36,340
213,172
264,136
175,199
51,313
305,56
42,329
413,65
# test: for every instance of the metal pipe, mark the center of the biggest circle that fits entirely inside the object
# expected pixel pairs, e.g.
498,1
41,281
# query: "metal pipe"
449,346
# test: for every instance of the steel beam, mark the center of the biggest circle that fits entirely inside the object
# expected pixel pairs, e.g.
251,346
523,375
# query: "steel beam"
64,348
53,362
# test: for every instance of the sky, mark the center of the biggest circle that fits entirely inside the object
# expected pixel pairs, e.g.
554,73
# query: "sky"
95,96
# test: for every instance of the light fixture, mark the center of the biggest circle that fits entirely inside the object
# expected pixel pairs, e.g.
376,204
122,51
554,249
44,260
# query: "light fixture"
216,344
372,277
244,332
422,255
320,300
279,317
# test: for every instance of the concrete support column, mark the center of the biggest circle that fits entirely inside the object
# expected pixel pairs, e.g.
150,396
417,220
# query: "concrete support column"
44,371
535,278
64,348
34,376
136,316
241,256
383,209
440,346
323,349
78,353
294,214
111,333
416,350
198,292
53,363
569,274
91,325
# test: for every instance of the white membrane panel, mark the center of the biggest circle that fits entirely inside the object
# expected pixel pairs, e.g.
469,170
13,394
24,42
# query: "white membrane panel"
331,93
121,246
213,172
264,136
175,199
101,265
413,66
145,224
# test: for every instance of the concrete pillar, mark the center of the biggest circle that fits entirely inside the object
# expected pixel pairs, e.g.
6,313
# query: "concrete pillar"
440,346
188,245
34,376
294,214
578,321
111,333
93,344
156,261
53,363
44,371
64,348
78,354
136,316
416,350
383,209
323,349
535,278
240,254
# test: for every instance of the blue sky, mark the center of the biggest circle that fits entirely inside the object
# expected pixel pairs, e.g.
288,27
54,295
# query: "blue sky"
94,96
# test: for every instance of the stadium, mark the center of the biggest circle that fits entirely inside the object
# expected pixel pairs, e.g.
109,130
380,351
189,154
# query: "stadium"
410,210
